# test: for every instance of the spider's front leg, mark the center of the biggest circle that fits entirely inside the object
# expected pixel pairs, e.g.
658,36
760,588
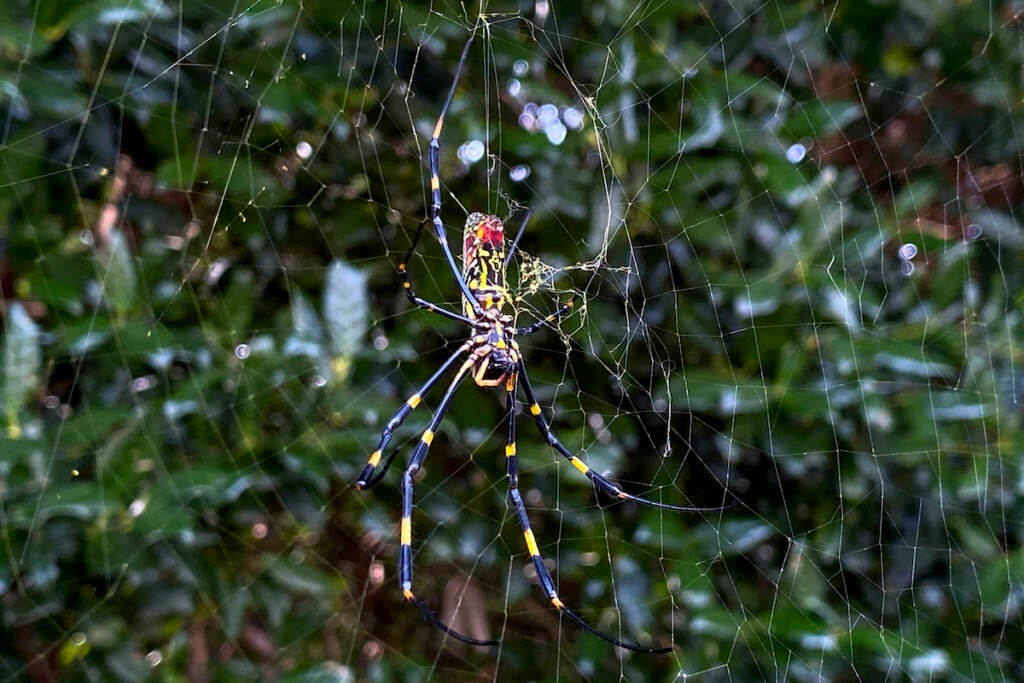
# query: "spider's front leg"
434,162
534,326
403,272
368,478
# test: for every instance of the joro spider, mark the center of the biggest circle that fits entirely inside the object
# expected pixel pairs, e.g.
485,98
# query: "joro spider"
493,358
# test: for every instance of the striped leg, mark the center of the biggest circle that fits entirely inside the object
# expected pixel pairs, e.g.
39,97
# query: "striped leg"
543,575
366,478
419,454
433,156
602,483
533,327
403,273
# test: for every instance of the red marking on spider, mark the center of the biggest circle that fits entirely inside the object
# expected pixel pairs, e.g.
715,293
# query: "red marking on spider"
490,230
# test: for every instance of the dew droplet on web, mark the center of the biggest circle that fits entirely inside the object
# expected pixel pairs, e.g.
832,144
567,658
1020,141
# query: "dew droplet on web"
547,115
519,173
555,133
137,507
573,117
514,87
471,152
906,269
908,251
520,67
796,153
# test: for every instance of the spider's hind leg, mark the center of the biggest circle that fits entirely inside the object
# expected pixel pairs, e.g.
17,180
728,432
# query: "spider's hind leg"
600,482
419,454
547,584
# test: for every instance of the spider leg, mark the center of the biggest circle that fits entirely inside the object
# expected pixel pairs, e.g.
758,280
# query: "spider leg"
366,477
403,273
515,243
419,454
533,327
562,310
547,584
435,182
599,481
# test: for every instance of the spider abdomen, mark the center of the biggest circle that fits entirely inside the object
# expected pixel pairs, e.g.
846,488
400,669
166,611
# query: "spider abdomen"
483,257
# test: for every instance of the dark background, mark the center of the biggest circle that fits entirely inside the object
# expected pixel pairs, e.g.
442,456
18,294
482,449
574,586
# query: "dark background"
792,233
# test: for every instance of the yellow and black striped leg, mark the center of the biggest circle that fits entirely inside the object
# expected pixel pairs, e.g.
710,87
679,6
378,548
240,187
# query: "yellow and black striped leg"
599,481
533,327
433,157
547,584
419,454
367,479
403,272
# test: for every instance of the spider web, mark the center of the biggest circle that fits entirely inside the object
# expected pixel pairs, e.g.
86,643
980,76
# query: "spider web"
792,233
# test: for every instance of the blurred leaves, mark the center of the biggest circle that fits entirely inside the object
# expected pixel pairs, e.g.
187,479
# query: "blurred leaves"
117,274
346,313
807,301
22,363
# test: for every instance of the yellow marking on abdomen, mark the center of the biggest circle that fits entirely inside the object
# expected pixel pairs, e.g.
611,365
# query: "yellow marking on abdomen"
414,400
535,409
556,602
437,128
579,464
374,459
531,542
483,273
406,535
510,450
427,437
435,183
407,594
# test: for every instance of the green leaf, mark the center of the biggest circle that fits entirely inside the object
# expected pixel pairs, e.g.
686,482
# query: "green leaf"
22,364
326,672
346,313
117,273
300,578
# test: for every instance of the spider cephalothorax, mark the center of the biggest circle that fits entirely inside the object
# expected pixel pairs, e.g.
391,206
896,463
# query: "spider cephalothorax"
492,358
494,351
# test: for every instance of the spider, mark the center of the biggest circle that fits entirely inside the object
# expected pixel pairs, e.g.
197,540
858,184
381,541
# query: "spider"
492,358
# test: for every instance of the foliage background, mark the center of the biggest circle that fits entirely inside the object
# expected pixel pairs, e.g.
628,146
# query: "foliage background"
808,217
